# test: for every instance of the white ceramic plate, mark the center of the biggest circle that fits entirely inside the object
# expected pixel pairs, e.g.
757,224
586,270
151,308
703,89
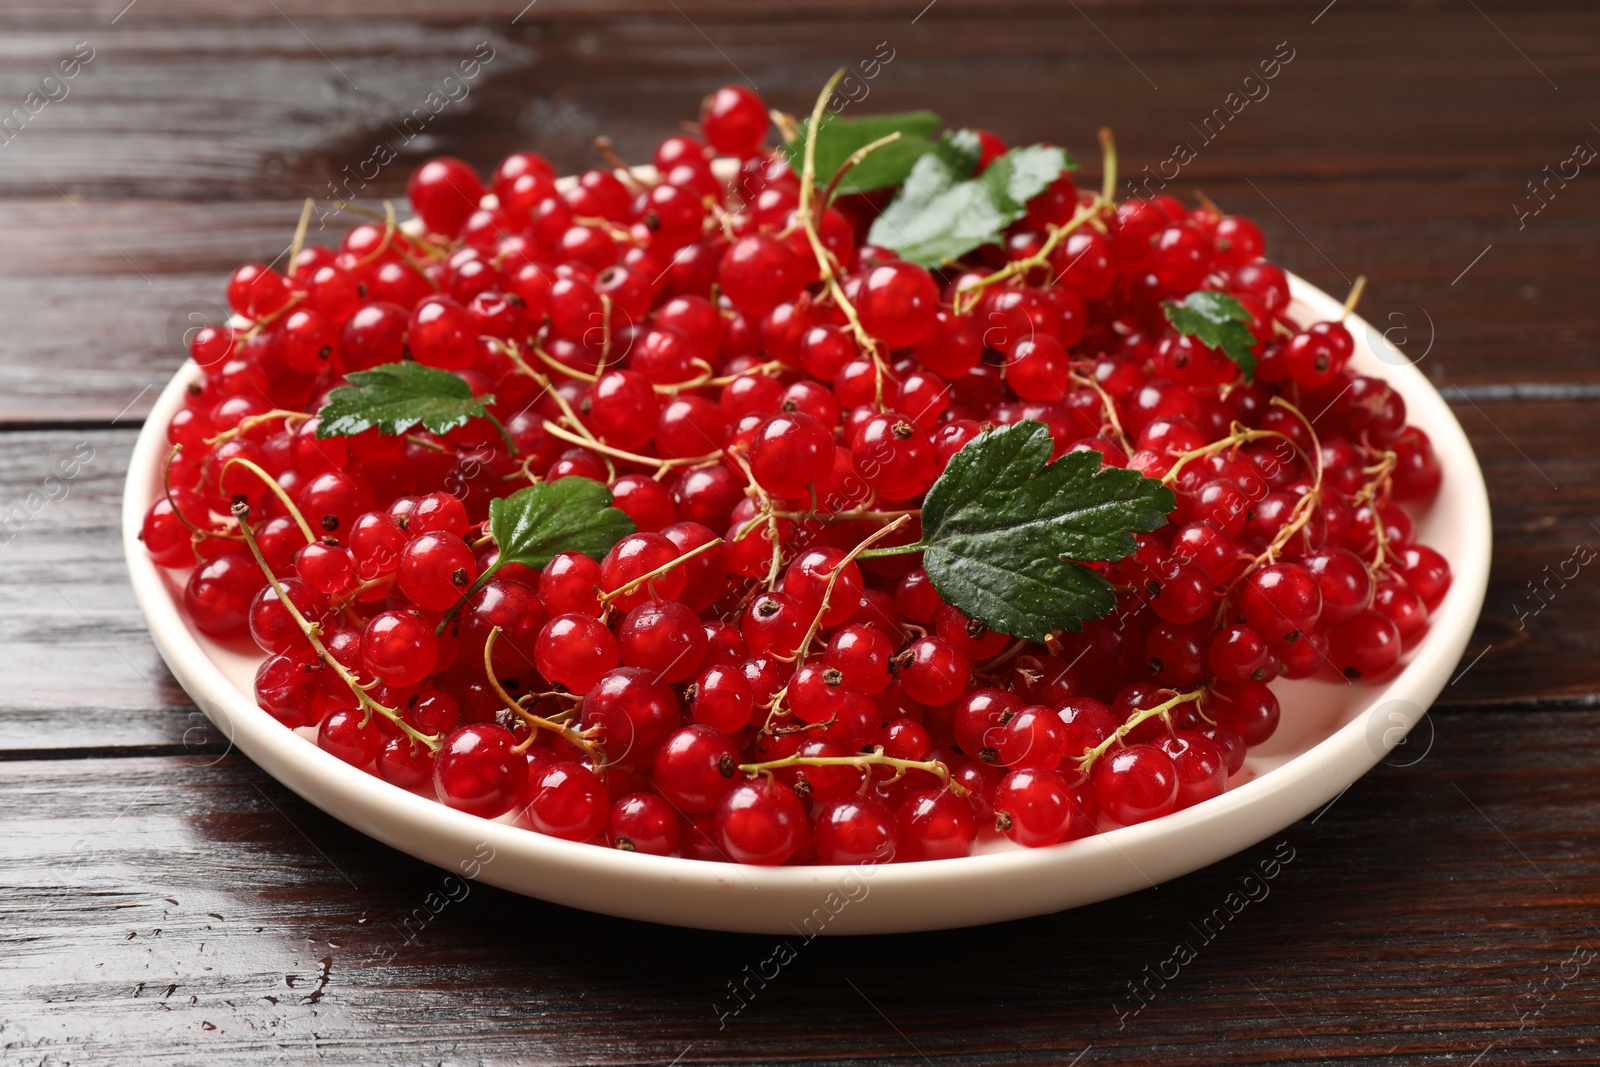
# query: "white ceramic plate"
1331,734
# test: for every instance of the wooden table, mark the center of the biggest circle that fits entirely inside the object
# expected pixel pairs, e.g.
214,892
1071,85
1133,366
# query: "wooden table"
162,901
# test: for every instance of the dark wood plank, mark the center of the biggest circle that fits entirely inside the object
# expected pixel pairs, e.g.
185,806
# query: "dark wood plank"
144,265
1371,87
81,672
196,911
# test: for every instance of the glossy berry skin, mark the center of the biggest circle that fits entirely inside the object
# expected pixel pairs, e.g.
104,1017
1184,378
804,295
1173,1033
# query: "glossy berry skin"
287,688
932,671
734,121
633,557
477,771
515,609
643,822
1238,653
895,456
760,272
1200,765
570,584
398,648
444,191
774,623
405,763
979,722
1034,738
722,698
351,735
809,577
634,710
271,625
435,570
934,825
1427,572
567,800
760,822
1088,723
1033,808
1248,708
574,651
897,302
1036,368
662,637
1344,581
861,654
790,453
694,767
853,830
218,595
622,408
1135,784
1280,600
1365,646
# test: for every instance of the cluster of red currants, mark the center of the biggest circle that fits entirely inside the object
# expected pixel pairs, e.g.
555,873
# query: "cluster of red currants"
756,674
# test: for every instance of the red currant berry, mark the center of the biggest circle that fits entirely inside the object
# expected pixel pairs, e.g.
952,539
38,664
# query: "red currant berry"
567,800
478,770
734,121
1033,808
759,822
694,767
643,822
1136,784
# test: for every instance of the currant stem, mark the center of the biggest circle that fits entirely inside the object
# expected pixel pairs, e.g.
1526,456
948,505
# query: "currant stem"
1038,260
196,533
608,152
1107,406
628,457
849,164
313,634
250,423
1303,508
894,550
277,490
875,758
556,365
833,578
648,576
805,214
299,235
1354,298
578,738
849,516
1108,156
1087,761
764,511
1238,434
1368,494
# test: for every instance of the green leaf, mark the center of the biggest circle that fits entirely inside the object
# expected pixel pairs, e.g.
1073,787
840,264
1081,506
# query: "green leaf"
567,515
1218,321
838,137
1004,526
398,396
943,212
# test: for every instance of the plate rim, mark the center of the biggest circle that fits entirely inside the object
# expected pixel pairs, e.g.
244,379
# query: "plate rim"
1284,793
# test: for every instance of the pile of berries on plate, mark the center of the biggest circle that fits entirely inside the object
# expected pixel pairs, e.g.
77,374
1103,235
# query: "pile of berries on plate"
862,498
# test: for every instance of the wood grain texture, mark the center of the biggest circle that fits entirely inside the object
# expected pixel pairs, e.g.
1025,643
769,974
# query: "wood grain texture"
249,107
81,671
147,265
231,923
162,901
